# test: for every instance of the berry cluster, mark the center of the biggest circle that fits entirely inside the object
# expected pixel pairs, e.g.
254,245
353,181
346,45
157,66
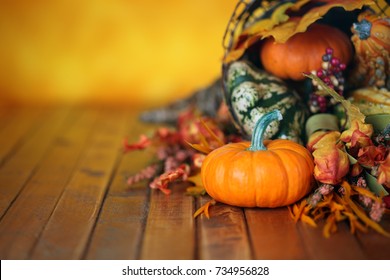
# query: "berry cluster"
331,73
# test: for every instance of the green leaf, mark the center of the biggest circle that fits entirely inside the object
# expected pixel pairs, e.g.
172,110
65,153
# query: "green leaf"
374,186
352,160
379,122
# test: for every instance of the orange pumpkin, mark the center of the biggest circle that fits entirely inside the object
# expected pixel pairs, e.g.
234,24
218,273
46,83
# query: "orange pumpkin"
270,174
303,52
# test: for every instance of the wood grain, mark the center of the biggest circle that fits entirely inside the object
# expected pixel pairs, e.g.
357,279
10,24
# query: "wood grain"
170,230
67,231
21,164
24,221
375,245
120,226
224,235
16,127
63,195
341,245
274,234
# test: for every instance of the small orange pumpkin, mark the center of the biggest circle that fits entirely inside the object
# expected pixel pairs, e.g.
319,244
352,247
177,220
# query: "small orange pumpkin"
270,174
371,39
303,52
371,34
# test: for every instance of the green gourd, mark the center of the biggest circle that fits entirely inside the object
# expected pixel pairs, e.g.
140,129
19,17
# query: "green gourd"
250,93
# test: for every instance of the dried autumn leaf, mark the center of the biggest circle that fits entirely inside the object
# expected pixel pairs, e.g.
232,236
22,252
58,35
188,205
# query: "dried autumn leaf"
313,15
198,188
331,164
356,125
287,28
330,226
352,111
322,139
205,209
361,214
142,143
162,182
201,148
384,171
308,220
277,17
366,192
207,144
196,191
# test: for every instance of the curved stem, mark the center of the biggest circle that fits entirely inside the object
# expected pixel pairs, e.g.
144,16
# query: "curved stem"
260,127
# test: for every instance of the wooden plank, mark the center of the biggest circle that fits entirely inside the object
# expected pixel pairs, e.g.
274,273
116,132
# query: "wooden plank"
170,231
21,165
224,235
69,227
341,245
376,246
119,229
24,221
15,128
274,234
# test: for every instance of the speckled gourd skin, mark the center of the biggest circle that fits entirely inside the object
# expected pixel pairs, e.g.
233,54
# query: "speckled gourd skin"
251,92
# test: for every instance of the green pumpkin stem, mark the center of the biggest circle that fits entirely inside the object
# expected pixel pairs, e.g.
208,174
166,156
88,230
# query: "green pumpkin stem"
260,127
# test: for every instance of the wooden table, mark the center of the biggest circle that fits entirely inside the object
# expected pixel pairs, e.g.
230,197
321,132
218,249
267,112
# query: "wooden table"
63,195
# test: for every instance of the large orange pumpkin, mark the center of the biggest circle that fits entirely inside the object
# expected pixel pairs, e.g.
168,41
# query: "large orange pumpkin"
303,52
270,174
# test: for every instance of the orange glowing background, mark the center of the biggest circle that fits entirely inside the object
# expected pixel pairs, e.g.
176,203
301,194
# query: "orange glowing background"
141,53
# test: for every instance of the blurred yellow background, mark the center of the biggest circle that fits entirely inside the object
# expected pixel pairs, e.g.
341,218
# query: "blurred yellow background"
137,53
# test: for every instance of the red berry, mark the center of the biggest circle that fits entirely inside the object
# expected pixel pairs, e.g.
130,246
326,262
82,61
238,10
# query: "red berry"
326,80
329,51
335,61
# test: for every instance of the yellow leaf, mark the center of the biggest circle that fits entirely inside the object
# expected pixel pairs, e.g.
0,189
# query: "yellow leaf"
366,192
314,14
205,209
361,214
329,227
281,27
196,179
352,111
198,189
308,220
277,17
212,134
200,148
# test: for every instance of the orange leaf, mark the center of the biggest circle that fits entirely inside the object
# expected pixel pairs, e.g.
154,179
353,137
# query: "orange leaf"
367,193
362,215
308,220
205,209
212,134
330,226
200,148
204,146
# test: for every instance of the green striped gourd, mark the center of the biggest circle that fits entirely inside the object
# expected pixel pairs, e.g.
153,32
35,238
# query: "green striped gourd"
250,93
